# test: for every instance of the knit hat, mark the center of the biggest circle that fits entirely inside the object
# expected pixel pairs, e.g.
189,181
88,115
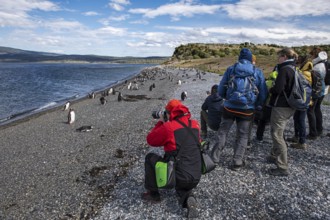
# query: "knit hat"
172,104
245,54
214,89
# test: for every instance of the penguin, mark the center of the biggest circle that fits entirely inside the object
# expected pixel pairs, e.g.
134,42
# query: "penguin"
150,88
129,87
183,95
71,116
119,97
153,85
179,82
103,100
92,95
110,91
66,106
85,128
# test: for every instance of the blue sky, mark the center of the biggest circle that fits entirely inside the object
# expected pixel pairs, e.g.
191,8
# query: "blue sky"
156,27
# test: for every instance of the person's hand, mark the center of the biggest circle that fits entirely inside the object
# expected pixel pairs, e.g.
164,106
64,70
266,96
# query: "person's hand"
259,108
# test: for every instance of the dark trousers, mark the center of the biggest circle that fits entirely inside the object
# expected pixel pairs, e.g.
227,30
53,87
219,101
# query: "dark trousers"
183,189
204,122
299,119
263,121
314,116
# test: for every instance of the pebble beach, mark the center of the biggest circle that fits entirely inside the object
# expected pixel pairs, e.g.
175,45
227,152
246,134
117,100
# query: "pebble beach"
49,170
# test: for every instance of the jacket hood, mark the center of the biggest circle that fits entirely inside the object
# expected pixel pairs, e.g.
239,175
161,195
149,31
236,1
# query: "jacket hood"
178,111
244,68
215,97
322,56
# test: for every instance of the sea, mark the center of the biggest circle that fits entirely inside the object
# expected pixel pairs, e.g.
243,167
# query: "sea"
28,88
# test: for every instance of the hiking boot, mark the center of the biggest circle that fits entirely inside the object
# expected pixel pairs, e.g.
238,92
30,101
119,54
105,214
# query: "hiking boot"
151,196
192,207
293,139
235,167
278,172
271,159
249,145
299,146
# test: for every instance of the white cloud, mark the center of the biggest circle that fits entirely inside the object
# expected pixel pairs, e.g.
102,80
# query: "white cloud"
15,13
251,9
91,13
107,21
118,5
177,10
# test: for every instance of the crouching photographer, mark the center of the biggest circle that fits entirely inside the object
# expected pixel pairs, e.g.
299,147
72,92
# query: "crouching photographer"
178,136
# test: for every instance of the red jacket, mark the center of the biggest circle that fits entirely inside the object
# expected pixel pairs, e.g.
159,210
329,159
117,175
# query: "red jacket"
163,134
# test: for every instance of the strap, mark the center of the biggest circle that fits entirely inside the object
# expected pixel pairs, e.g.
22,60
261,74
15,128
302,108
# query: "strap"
189,130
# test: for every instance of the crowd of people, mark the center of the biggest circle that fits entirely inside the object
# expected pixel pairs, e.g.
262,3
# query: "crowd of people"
243,96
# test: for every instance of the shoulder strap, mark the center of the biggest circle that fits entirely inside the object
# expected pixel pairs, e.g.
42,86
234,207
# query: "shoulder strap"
189,130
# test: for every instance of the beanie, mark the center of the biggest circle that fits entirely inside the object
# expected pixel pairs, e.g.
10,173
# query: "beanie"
172,104
245,54
214,89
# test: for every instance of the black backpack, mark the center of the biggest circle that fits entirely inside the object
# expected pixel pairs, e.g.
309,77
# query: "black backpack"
327,73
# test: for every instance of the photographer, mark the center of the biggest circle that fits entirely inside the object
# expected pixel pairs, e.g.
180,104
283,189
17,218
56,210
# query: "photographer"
175,137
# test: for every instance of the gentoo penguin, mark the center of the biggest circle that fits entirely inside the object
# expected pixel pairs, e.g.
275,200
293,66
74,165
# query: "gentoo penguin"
183,95
92,95
110,91
66,106
129,87
179,82
71,116
153,85
120,97
85,128
103,100
150,88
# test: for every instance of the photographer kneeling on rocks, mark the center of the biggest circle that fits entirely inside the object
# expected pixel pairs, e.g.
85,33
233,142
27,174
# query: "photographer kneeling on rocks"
179,144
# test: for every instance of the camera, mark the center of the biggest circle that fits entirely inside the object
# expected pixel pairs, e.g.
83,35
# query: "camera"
157,114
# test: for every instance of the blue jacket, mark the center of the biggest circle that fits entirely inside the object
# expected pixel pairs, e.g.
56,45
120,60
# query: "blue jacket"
244,68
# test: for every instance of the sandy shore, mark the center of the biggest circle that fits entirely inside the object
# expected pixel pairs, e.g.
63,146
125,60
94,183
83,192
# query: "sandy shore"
51,171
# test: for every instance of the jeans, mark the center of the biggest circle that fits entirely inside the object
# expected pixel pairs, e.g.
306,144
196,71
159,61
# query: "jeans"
278,120
315,119
241,139
299,119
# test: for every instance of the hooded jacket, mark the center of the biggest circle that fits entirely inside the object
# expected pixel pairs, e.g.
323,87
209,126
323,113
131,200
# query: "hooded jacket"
319,69
173,136
213,105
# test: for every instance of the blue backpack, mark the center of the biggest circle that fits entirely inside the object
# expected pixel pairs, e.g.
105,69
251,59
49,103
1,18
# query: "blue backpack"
301,92
242,90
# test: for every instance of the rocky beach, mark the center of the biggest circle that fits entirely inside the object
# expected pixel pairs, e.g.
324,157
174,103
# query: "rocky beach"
49,170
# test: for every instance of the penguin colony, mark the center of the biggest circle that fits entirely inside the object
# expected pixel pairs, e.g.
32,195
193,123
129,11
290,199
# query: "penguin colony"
147,74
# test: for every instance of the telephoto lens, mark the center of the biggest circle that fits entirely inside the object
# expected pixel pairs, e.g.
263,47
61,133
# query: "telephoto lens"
156,114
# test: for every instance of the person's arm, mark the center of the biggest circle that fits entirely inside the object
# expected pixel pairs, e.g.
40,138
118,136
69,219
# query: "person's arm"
158,135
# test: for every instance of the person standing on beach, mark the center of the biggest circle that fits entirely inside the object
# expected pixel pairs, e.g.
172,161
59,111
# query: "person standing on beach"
244,89
281,110
211,112
314,113
180,144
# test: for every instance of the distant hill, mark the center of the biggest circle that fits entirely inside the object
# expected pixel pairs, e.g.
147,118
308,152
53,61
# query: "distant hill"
8,54
217,57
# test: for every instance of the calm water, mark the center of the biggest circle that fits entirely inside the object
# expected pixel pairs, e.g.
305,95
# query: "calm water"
31,87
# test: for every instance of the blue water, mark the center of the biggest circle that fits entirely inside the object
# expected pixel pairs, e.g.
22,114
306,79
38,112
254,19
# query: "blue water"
31,87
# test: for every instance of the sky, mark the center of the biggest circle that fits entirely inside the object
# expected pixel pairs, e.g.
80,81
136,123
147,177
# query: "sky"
155,27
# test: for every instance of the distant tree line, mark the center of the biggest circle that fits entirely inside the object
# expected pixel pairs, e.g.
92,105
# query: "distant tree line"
201,51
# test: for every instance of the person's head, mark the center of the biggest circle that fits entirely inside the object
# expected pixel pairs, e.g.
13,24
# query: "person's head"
245,54
214,89
172,104
254,59
315,51
302,59
286,54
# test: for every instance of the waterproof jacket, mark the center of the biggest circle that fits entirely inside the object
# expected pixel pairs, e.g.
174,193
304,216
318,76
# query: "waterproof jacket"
283,83
319,69
176,138
213,105
306,70
245,68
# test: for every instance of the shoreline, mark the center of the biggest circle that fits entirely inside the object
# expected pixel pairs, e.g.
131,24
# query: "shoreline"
12,120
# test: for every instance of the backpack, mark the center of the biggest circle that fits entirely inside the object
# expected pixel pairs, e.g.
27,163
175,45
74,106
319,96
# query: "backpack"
242,90
327,73
301,92
316,84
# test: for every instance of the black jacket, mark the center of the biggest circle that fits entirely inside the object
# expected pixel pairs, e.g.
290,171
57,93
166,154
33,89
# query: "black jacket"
283,83
213,104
